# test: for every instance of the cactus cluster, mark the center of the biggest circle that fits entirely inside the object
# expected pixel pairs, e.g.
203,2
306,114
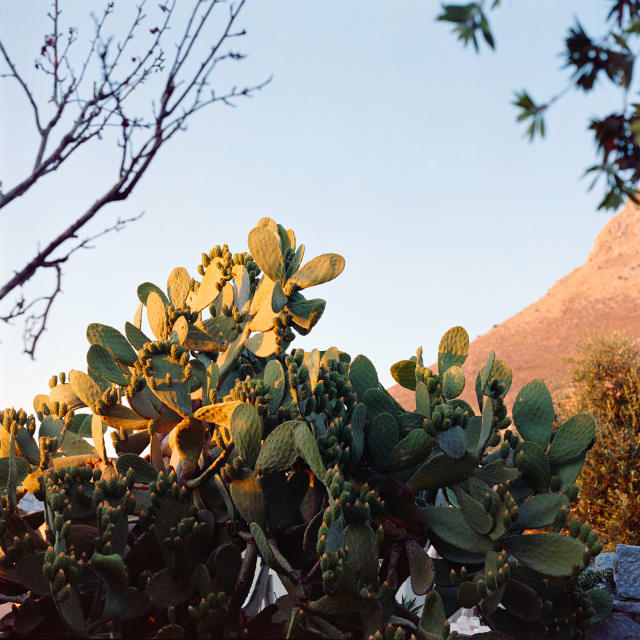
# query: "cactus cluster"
232,448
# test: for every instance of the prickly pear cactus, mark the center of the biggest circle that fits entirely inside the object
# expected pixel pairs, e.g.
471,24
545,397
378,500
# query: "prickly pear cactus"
237,456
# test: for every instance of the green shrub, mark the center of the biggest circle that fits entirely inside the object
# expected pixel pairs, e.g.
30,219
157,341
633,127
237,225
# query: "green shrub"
606,383
300,458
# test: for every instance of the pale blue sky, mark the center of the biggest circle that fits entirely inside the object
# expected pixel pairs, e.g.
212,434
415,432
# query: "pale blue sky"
380,138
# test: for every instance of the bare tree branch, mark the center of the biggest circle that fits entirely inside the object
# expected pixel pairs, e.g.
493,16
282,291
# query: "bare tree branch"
36,323
105,106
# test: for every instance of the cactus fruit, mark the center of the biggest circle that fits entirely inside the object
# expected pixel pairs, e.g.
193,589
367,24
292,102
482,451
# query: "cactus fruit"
301,459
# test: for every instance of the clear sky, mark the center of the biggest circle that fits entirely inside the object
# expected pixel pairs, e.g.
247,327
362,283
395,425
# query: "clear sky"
380,138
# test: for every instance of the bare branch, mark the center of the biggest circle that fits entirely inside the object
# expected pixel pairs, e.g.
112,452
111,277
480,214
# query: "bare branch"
36,323
184,90
14,74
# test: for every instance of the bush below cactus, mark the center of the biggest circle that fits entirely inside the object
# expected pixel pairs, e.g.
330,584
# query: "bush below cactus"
301,459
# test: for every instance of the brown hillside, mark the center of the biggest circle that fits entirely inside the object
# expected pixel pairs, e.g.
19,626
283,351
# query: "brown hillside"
602,295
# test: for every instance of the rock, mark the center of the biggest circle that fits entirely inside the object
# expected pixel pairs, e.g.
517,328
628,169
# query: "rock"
604,561
630,607
617,626
627,572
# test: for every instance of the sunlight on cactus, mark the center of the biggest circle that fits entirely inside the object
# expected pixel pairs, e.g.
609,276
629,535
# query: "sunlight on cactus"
300,458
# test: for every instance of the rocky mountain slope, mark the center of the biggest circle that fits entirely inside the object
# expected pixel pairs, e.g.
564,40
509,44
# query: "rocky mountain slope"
602,295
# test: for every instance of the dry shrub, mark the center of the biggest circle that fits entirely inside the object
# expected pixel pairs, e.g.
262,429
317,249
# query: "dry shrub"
605,381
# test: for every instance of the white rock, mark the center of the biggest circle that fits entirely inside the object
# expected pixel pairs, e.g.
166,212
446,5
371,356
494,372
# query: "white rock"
627,571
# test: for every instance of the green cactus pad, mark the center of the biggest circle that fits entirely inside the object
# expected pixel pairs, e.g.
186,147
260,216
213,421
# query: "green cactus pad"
321,269
307,447
146,288
196,337
242,281
552,554
265,249
274,379
362,554
453,442
284,495
452,382
601,603
335,536
74,445
404,373
219,413
113,341
296,261
22,471
143,471
522,601
97,435
379,401
28,572
440,471
496,472
208,290
358,419
468,594
536,467
363,376
275,560
423,399
485,376
473,511
278,451
568,471
178,286
165,591
264,319
27,446
227,562
487,424
135,336
63,393
450,525
120,417
262,297
434,618
101,362
305,313
210,382
540,510
40,399
572,438
263,345
410,420
384,435
84,387
453,349
501,372
249,498
188,439
177,394
340,605
99,380
111,569
246,431
137,318
157,316
279,299
413,449
421,568
533,413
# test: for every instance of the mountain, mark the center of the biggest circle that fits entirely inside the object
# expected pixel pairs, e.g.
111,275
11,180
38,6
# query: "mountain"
601,296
